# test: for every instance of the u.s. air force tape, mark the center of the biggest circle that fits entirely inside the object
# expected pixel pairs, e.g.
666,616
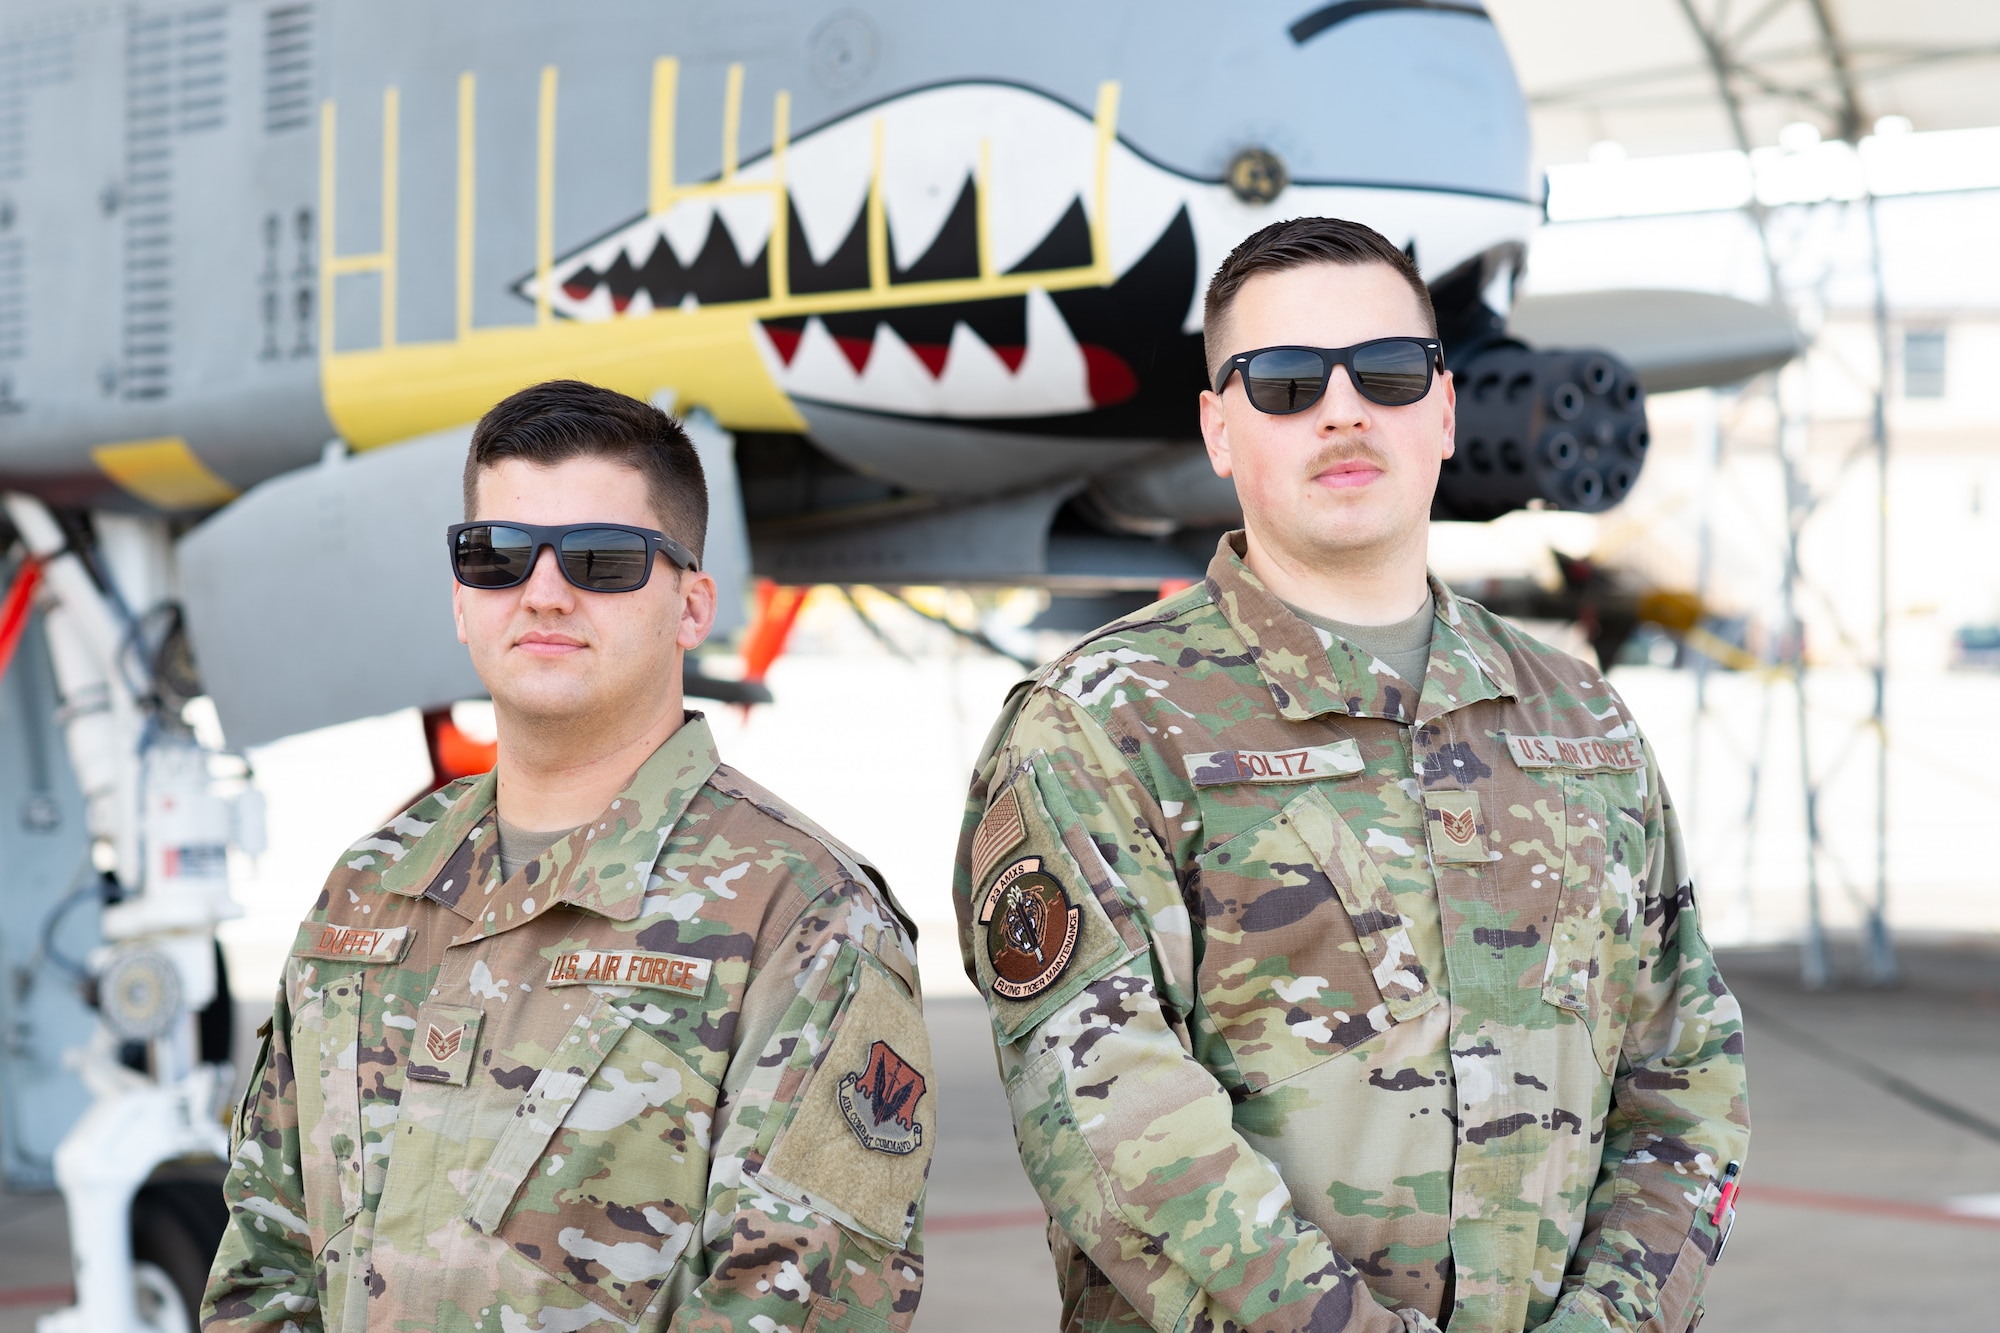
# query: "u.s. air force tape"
632,967
1583,754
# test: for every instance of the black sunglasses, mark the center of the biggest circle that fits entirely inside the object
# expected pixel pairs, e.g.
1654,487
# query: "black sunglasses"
1393,372
597,557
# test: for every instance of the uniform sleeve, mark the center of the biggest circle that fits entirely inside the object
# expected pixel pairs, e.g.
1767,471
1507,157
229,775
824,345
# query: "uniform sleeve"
1679,1114
1127,1138
824,1136
263,1276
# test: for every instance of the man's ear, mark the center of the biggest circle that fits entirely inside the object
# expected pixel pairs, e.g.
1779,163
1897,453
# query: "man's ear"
1450,416
1215,434
697,609
458,609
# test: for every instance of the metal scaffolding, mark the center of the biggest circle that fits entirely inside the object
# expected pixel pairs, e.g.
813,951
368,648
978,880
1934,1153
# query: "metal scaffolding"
1820,85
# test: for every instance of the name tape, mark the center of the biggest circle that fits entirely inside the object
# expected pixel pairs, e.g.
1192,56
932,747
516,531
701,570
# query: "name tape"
1306,764
615,967
1584,754
348,943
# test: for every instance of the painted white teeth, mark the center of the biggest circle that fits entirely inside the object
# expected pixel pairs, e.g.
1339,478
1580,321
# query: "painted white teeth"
1038,156
1053,376
685,227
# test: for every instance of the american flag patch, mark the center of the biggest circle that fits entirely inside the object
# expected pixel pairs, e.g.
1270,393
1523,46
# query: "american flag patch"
998,833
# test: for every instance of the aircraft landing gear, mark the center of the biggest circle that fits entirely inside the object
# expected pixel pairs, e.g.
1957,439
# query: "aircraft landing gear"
177,1223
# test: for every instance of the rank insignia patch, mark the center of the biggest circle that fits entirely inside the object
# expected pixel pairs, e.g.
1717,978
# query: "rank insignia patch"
443,1044
445,1040
1453,825
1031,929
880,1102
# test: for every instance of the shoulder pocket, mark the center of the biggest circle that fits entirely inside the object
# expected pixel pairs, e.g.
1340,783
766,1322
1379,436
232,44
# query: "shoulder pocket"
1048,915
1305,953
601,1177
858,1143
1594,940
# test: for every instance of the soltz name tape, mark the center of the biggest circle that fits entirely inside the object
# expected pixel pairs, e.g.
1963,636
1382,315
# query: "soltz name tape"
1305,764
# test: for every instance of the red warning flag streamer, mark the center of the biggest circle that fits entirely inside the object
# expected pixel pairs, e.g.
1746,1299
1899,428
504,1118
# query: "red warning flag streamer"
778,606
14,610
453,753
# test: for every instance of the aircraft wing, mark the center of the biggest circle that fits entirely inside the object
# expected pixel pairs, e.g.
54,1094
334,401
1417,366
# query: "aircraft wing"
1673,339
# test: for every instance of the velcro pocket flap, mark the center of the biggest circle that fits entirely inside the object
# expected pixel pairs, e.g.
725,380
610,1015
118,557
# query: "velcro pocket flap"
549,1098
447,1041
1380,927
326,1037
1593,941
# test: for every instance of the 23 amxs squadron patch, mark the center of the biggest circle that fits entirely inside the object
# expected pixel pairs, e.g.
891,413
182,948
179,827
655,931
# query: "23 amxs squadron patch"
1031,929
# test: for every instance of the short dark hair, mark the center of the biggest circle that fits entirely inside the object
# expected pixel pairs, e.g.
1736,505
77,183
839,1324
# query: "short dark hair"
1295,244
551,423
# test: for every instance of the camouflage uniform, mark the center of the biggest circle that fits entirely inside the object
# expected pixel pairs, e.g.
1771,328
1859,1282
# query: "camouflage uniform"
672,1073
1327,1001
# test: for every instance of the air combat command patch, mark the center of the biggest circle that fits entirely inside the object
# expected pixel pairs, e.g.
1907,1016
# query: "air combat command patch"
880,1102
1031,929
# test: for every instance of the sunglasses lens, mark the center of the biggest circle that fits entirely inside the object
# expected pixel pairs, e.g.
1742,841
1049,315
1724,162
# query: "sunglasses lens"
492,556
1287,379
604,559
1394,372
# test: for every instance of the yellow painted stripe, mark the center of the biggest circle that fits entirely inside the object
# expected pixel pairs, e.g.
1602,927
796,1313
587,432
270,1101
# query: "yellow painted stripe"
779,256
164,473
545,194
380,397
732,120
878,221
660,156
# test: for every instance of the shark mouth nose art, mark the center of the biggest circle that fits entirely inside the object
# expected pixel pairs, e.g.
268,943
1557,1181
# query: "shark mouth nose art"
977,251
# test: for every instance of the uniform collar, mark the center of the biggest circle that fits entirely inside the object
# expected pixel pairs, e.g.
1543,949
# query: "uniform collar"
604,866
1308,679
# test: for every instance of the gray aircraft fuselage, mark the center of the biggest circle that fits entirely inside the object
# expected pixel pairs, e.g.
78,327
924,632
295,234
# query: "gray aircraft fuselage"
166,272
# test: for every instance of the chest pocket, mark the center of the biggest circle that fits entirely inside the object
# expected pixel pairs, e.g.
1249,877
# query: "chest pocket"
601,1176
1593,941
326,1039
1305,954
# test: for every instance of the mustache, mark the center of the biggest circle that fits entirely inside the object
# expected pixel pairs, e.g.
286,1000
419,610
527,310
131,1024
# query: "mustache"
1347,451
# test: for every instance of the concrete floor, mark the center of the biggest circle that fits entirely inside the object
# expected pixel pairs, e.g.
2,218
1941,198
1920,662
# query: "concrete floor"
1846,1224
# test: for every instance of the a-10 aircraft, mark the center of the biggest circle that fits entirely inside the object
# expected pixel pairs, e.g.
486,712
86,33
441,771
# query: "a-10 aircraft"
925,281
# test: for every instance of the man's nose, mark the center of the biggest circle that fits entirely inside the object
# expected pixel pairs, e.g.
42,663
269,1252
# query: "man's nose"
546,586
1342,407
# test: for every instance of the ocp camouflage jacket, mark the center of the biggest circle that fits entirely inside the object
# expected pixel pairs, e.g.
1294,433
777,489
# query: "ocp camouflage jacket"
1321,995
672,1073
